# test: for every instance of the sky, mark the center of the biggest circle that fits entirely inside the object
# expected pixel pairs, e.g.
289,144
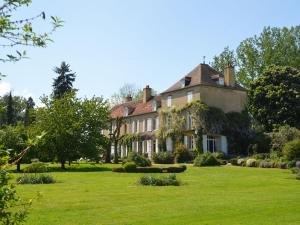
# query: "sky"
144,42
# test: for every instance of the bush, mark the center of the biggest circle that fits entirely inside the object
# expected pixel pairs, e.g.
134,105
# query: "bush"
233,161
251,163
36,167
175,169
292,150
206,159
267,164
118,169
169,180
282,165
129,167
35,179
298,176
182,155
295,170
298,164
172,169
138,159
291,164
219,155
163,158
241,162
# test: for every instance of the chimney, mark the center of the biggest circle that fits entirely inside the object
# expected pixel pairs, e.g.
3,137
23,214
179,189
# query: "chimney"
146,94
229,79
128,98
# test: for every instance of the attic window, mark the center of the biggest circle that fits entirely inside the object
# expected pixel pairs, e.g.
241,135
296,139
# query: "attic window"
185,82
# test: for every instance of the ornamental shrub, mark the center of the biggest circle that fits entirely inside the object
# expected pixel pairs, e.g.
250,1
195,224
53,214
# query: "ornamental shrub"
129,167
298,164
282,165
292,150
182,155
35,179
163,158
233,161
267,164
138,159
241,162
206,159
251,163
36,167
150,180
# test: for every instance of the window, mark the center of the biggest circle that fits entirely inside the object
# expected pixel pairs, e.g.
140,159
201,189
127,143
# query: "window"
221,81
169,101
149,124
190,96
144,125
133,127
211,144
157,123
154,106
189,122
138,126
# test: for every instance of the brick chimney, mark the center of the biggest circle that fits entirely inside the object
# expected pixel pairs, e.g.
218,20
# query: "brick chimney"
146,94
128,98
229,79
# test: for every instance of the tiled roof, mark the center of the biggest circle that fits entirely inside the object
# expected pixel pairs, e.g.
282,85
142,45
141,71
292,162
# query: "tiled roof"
202,74
135,107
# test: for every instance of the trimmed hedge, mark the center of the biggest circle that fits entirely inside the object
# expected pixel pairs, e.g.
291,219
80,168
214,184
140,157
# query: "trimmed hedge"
35,179
169,180
138,159
171,169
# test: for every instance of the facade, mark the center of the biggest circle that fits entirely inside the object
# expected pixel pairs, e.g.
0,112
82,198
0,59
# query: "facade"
202,83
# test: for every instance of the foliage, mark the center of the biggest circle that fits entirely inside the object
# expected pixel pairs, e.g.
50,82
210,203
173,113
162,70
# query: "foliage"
36,167
29,112
280,136
73,127
138,159
21,32
226,57
182,155
154,169
291,150
35,179
269,164
260,143
169,180
298,176
163,158
298,164
274,97
128,139
241,162
129,167
64,82
273,46
234,161
251,163
206,159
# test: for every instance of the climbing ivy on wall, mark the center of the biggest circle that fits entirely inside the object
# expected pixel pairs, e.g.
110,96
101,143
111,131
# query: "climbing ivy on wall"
127,140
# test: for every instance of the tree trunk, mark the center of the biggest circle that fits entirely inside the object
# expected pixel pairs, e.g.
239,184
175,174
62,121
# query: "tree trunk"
18,167
63,165
107,156
116,158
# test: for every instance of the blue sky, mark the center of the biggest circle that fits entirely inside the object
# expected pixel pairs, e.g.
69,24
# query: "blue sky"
155,42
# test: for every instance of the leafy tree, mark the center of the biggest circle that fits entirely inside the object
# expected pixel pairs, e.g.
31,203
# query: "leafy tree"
273,46
29,111
73,126
64,82
125,91
274,97
227,57
14,32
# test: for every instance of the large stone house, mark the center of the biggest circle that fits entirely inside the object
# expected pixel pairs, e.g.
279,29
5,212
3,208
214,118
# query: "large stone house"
202,83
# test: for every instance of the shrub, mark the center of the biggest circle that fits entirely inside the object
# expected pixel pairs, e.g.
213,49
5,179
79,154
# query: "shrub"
138,159
206,159
182,155
36,167
292,150
267,164
169,180
281,136
175,169
118,169
282,165
35,179
295,170
298,176
219,155
241,162
149,170
129,167
234,161
251,163
291,164
172,169
298,164
163,158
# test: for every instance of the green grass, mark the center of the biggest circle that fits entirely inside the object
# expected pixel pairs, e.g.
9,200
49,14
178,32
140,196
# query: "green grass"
214,196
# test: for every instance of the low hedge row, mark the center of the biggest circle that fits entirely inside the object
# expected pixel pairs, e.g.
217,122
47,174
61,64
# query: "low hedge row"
153,169
267,163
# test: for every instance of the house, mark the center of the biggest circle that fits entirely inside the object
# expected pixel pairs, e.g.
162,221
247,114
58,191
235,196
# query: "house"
203,83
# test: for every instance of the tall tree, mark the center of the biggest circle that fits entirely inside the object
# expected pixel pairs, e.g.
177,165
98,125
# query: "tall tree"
226,57
64,82
274,97
10,112
29,117
273,46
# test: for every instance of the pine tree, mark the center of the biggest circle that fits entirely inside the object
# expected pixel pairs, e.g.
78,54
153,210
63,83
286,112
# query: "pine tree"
64,82
10,112
28,111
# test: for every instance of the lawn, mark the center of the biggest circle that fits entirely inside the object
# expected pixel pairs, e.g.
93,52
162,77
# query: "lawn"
214,196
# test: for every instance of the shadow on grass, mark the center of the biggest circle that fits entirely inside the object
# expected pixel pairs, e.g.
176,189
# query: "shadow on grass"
79,169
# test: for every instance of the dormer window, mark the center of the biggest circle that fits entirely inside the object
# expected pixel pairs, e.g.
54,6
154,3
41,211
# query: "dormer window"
126,111
185,82
154,106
